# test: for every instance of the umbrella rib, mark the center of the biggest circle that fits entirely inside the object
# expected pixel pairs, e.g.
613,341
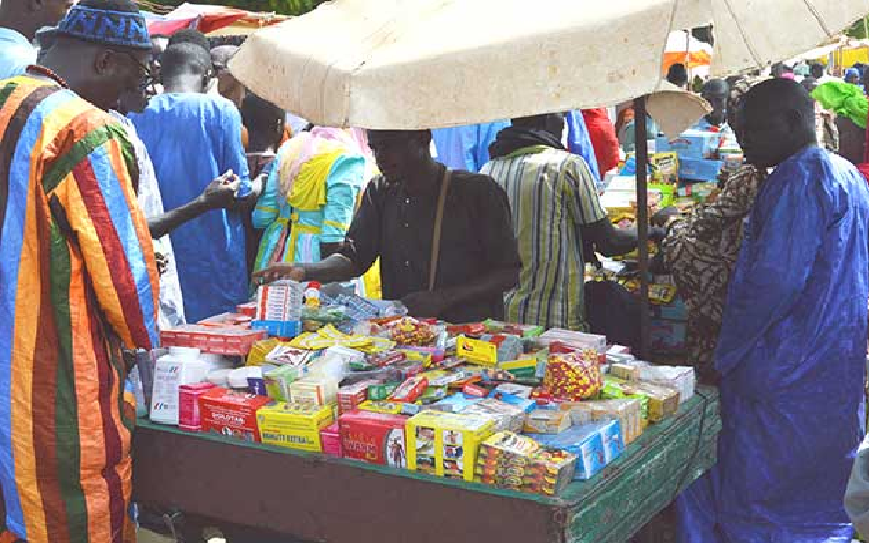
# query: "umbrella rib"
745,38
811,7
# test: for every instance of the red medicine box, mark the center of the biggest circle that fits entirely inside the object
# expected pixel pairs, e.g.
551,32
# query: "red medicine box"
375,438
189,416
330,437
231,413
224,341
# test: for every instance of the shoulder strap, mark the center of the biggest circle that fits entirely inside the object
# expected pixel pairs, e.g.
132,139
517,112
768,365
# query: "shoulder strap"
438,227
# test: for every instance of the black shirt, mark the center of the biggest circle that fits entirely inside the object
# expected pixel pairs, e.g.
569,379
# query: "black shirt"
477,237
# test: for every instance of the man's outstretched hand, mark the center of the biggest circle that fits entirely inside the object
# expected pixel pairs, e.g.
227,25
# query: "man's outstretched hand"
276,272
220,193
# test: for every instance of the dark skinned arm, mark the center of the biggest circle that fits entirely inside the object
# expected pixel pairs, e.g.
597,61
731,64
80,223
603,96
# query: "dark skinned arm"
335,269
220,193
608,240
328,249
165,223
611,241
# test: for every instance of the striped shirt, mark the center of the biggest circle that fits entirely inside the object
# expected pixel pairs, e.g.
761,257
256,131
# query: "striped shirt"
552,193
77,282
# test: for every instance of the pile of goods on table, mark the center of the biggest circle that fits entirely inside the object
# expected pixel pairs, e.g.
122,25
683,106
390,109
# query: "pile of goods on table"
514,406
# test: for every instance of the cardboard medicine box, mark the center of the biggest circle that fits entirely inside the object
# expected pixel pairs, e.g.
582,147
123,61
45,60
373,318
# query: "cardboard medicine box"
547,421
584,441
699,169
489,349
330,437
374,438
189,416
663,401
517,462
232,341
521,330
280,301
629,413
350,396
691,143
506,416
231,413
294,426
313,390
446,444
680,378
278,381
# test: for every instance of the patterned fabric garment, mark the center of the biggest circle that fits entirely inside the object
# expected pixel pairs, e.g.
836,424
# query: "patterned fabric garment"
552,193
701,251
825,128
294,234
78,282
151,203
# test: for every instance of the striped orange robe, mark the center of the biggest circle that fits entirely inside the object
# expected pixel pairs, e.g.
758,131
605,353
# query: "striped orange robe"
77,282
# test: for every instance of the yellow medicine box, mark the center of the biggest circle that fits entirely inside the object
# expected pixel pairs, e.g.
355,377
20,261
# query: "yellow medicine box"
295,426
477,351
446,444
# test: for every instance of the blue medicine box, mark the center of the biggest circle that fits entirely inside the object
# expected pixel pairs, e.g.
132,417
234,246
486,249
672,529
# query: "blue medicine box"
674,311
700,169
690,144
595,445
286,329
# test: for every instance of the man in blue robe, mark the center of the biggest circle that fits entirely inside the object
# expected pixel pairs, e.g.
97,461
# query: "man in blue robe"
792,349
193,138
466,147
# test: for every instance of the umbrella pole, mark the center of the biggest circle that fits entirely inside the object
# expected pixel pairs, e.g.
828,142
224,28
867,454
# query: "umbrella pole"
642,161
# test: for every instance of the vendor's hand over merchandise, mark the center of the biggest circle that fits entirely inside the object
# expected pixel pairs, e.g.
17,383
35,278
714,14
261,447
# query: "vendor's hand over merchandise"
276,272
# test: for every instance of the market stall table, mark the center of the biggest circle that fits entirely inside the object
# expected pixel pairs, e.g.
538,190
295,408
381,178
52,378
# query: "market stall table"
317,498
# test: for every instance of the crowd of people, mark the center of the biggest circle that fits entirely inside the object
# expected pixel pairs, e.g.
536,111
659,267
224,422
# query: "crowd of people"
142,186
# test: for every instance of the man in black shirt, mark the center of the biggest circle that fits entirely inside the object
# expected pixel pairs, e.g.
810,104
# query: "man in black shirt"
478,259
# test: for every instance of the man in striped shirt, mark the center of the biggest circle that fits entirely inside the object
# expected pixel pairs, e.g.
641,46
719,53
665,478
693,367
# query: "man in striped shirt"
78,282
555,209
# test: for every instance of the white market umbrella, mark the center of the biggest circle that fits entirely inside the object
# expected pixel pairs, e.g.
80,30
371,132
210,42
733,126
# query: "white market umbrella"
432,63
408,64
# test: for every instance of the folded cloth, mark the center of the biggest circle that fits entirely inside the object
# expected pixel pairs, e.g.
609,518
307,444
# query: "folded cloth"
845,99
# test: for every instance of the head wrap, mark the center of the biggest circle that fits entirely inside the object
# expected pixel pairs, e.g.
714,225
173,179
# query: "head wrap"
107,27
301,149
739,87
852,71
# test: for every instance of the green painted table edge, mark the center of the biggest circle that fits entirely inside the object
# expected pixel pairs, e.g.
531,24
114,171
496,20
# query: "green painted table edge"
579,493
